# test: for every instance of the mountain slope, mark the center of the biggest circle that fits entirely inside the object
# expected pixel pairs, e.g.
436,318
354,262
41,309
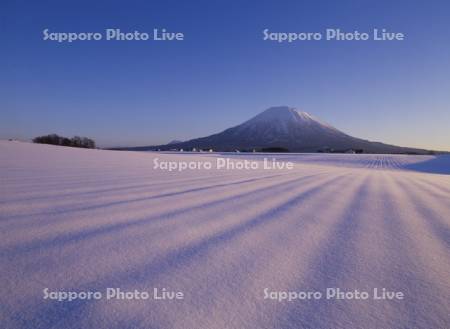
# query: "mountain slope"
286,128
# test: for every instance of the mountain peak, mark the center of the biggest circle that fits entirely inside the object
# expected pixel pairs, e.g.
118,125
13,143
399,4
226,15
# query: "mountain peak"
284,114
285,110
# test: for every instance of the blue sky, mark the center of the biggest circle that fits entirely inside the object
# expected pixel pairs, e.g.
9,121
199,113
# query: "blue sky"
143,93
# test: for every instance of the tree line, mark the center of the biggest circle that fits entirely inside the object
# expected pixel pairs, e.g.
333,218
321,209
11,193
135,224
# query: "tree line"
75,141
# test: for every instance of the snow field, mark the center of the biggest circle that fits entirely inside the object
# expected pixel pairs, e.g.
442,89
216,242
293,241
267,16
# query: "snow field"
75,219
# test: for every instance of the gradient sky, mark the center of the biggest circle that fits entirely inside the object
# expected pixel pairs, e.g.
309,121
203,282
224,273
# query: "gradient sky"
223,73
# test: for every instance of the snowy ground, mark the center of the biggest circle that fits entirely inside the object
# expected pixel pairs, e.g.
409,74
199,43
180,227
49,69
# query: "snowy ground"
86,220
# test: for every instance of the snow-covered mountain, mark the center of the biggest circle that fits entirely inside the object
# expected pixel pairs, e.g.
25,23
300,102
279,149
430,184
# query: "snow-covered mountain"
287,128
